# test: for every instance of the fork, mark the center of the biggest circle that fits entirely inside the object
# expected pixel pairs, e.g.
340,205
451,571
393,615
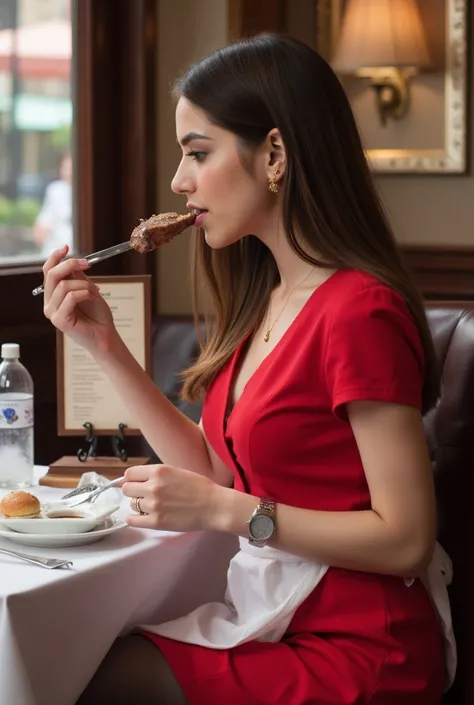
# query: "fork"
50,563
97,257
93,495
90,487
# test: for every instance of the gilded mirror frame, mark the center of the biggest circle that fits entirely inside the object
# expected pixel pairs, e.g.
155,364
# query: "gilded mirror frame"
451,156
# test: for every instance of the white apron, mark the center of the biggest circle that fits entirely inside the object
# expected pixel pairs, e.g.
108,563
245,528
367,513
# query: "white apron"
265,587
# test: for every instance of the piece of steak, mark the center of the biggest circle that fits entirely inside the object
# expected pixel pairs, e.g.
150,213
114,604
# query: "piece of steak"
159,229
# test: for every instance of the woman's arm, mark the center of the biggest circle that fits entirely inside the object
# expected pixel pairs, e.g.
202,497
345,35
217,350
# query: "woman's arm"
175,438
396,536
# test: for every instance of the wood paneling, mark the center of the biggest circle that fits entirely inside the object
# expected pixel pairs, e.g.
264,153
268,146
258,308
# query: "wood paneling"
116,125
247,17
442,273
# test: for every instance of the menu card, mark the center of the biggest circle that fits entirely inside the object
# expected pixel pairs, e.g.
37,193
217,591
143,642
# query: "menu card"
85,393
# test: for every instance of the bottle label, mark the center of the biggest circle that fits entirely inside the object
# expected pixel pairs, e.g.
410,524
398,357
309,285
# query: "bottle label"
16,413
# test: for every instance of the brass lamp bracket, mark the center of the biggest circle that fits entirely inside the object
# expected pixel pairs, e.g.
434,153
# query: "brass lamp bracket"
391,88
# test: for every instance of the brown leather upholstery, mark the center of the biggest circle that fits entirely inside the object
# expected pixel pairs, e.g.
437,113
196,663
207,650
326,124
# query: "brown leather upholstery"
450,434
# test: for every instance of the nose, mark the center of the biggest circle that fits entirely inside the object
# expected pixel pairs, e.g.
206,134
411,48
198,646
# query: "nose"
182,182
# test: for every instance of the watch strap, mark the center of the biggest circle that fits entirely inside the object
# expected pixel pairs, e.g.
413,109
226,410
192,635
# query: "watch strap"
267,504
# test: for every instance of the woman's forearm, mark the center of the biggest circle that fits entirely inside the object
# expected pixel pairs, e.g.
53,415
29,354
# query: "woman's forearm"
359,540
176,439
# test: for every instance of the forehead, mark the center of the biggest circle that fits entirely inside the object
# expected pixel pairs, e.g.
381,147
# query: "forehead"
189,114
191,119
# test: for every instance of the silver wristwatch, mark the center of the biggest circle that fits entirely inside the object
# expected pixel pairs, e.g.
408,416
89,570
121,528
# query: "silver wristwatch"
262,522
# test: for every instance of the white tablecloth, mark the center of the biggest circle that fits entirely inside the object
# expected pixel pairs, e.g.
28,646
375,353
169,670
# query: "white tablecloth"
57,625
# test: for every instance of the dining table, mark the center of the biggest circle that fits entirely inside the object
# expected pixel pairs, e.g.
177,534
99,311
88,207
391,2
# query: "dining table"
56,626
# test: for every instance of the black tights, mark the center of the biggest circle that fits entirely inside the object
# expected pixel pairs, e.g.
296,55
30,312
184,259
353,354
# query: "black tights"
134,671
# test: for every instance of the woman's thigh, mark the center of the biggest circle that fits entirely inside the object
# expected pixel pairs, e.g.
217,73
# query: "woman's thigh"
133,671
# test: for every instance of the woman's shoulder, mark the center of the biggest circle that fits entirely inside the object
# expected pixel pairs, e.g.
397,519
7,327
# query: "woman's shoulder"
363,309
373,347
352,282
358,291
361,305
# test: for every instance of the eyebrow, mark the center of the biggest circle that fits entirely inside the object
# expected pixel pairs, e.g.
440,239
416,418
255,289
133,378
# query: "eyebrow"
192,136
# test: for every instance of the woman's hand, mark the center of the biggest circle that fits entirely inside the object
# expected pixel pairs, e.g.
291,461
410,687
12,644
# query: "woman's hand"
173,499
73,303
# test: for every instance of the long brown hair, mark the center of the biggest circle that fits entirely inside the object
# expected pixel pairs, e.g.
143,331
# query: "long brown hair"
328,195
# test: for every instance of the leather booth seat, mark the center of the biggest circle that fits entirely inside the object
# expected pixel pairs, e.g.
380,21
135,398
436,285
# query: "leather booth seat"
450,433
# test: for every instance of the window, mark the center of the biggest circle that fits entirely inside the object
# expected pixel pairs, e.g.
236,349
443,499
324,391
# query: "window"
36,116
112,82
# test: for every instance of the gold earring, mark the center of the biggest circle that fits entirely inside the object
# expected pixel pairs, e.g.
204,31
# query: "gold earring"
273,183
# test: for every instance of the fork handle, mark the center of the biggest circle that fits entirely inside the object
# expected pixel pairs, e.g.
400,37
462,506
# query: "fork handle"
95,257
36,560
107,486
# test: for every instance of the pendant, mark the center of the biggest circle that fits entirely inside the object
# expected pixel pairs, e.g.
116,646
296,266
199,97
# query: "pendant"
266,337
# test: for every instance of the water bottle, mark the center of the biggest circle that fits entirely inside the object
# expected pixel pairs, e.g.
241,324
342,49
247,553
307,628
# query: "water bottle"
16,420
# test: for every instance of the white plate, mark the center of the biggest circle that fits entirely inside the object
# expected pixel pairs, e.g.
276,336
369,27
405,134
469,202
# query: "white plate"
109,526
58,518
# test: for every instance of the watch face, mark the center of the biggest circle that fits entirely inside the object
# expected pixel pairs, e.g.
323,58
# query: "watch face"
261,527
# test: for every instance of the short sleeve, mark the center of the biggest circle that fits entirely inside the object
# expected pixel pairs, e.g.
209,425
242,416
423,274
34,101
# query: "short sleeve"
374,351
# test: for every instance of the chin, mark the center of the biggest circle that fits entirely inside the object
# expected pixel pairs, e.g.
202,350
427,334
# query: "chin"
218,241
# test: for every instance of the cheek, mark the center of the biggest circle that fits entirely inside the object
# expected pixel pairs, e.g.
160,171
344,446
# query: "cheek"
226,178
235,198
243,193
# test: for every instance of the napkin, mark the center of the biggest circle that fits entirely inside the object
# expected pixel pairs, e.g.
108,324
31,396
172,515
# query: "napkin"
112,496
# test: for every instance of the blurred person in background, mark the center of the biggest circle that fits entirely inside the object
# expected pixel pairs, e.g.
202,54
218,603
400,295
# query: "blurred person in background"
53,226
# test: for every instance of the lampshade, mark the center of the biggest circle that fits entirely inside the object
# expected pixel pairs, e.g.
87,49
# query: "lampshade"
379,33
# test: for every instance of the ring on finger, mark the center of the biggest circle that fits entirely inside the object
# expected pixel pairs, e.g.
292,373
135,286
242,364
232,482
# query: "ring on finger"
136,506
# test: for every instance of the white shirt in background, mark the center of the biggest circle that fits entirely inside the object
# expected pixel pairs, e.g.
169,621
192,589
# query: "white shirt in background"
56,216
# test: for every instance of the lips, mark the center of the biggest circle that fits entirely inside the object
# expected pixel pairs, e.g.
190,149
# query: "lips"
201,212
200,219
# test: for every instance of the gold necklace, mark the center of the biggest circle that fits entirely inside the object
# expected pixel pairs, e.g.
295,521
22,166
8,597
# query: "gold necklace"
266,337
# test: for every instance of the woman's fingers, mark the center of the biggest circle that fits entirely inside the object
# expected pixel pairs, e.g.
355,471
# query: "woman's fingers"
136,489
54,259
139,521
71,268
62,290
140,473
65,316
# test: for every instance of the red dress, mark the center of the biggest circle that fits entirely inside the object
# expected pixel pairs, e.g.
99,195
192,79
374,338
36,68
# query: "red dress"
359,637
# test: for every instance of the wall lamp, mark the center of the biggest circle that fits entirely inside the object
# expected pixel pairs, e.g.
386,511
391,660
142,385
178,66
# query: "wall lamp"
384,41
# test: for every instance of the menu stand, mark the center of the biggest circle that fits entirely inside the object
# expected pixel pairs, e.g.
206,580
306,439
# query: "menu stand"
67,471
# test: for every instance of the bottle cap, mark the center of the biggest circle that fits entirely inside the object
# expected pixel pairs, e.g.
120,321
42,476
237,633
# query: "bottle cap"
10,350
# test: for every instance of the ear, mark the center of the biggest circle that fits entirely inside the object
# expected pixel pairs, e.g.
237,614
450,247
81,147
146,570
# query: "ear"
275,155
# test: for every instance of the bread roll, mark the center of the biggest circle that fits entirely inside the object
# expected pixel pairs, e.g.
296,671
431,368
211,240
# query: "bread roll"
20,504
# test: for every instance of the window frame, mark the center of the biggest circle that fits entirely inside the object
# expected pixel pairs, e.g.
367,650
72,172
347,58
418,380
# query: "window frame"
114,137
114,148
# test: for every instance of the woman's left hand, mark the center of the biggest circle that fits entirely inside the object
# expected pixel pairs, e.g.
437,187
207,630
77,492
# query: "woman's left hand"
173,499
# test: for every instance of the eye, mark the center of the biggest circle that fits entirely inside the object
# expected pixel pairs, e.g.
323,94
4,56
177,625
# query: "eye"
197,156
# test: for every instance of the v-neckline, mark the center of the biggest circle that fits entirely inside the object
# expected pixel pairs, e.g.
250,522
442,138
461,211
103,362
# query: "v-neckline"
238,352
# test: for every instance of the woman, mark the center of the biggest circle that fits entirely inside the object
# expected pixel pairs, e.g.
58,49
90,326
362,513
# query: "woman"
316,374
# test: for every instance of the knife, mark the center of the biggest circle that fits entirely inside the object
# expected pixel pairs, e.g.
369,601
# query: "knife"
97,257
